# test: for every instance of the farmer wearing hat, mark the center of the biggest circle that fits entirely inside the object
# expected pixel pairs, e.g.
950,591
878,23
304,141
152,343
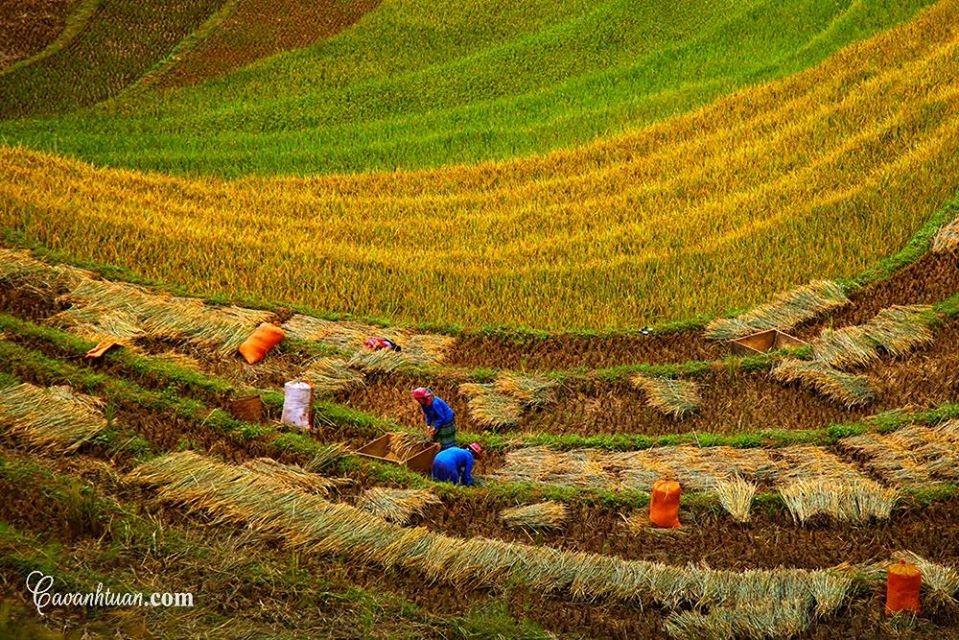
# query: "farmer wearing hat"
456,465
440,426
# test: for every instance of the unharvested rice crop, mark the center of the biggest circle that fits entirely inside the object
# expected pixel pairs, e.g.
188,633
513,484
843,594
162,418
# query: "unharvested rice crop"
315,525
895,331
542,515
846,388
814,176
501,403
671,396
396,505
783,312
53,419
431,83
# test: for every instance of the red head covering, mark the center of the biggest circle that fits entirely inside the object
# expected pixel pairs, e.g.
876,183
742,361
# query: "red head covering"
422,395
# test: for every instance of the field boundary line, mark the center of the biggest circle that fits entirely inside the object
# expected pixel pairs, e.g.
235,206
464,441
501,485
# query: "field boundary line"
185,46
75,24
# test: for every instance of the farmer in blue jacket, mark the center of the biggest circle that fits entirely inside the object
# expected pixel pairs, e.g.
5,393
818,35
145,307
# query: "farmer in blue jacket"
440,425
456,465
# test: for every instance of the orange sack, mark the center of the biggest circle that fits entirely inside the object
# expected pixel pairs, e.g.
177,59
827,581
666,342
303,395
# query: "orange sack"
260,342
903,582
664,504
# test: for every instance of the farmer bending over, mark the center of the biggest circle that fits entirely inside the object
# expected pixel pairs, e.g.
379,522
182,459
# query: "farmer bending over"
456,465
377,343
439,417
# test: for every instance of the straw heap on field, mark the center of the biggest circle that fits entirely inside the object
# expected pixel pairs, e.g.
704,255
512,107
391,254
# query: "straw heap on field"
292,476
670,396
947,239
542,515
736,496
847,500
911,455
310,523
784,311
849,389
396,505
52,418
501,403
331,375
895,330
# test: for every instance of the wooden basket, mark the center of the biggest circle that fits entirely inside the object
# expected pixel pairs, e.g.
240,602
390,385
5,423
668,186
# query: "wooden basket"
420,461
765,341
247,408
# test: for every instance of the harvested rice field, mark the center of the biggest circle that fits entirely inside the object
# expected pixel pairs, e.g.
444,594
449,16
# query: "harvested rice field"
679,282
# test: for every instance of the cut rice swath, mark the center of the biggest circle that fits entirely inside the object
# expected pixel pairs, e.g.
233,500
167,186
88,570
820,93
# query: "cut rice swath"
331,375
501,403
326,456
396,505
911,455
736,496
293,476
671,396
349,337
855,501
783,312
54,419
845,388
747,621
160,315
947,238
895,330
315,525
542,515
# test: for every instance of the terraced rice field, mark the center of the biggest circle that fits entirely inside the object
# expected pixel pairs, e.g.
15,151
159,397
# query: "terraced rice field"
760,209
25,31
574,218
